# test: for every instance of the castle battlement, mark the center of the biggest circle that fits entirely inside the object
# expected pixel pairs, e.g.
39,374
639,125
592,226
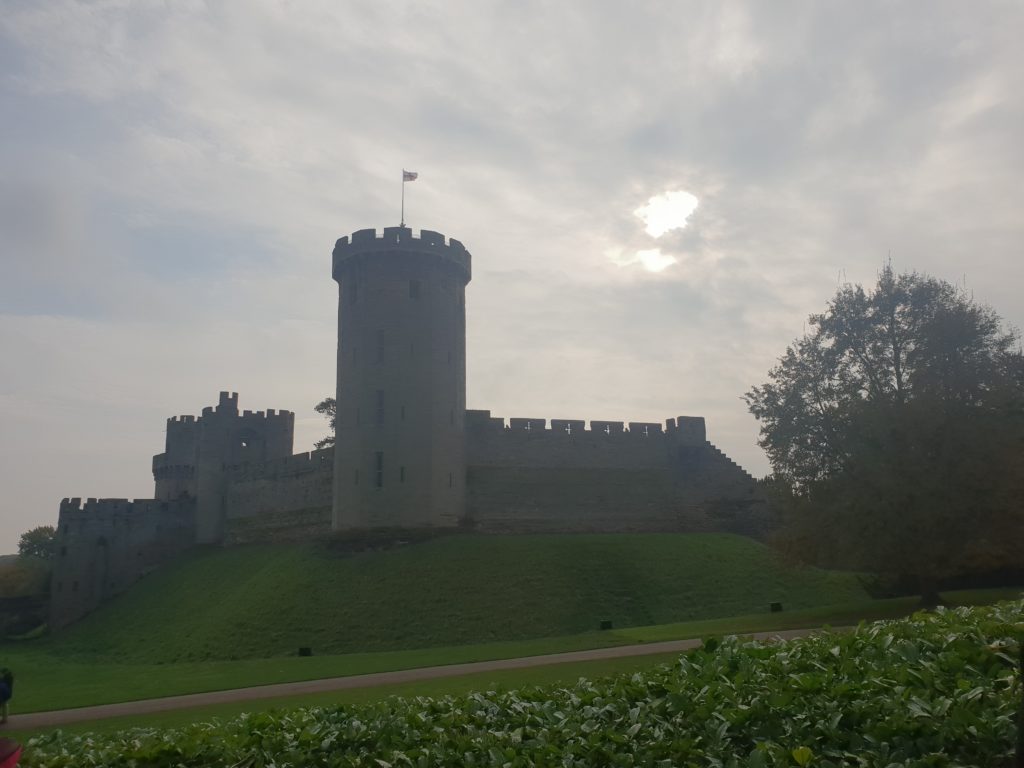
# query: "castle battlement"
270,415
401,239
183,422
686,429
95,509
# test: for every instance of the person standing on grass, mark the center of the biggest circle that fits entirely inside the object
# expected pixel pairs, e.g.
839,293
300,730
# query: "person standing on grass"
6,691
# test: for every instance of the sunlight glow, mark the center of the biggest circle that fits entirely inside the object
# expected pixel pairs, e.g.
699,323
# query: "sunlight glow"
666,212
654,260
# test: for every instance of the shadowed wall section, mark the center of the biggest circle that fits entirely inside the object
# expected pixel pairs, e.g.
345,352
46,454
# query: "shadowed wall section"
282,500
613,477
106,545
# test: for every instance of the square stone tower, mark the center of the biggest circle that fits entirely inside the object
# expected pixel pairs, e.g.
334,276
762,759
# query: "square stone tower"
199,449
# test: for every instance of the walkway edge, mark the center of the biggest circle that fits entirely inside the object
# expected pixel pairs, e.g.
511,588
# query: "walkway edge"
60,717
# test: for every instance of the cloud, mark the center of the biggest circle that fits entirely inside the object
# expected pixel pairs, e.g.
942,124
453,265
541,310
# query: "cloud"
176,174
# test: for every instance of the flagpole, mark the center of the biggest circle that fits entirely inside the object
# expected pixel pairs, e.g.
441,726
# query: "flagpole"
406,176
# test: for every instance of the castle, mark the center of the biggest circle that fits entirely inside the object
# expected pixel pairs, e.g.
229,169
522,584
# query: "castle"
408,454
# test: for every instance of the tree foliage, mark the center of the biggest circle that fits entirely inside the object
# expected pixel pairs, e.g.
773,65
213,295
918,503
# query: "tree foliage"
327,408
895,429
21,576
40,542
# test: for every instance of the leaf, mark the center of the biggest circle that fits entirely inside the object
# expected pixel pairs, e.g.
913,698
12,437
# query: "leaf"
803,756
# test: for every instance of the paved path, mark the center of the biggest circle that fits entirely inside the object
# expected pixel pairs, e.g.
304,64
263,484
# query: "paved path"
147,706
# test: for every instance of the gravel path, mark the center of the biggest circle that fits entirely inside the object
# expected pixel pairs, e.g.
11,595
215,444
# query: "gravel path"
147,706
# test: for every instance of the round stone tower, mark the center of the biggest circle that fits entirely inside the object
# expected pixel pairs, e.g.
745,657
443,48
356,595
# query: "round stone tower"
399,457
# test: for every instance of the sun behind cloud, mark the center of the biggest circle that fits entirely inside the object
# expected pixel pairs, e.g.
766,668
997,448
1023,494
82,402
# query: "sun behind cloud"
654,260
666,212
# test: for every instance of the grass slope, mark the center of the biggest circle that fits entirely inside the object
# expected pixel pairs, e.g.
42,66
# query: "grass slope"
261,601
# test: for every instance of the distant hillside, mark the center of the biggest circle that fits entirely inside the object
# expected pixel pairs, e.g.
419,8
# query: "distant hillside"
268,600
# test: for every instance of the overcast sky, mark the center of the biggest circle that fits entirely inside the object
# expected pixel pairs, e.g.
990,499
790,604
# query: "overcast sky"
175,176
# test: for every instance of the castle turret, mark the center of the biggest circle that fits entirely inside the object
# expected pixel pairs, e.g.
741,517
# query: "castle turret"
401,387
199,450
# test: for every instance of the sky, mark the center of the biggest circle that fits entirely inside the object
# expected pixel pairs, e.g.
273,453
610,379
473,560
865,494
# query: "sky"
656,196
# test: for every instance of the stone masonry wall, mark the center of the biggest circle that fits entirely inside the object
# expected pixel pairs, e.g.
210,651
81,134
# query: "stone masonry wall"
560,500
281,500
525,477
106,545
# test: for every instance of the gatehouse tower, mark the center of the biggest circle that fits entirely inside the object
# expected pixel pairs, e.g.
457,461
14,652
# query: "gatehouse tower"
399,456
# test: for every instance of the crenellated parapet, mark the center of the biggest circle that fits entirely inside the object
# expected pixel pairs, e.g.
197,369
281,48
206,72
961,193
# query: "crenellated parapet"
97,514
270,415
683,429
366,243
678,446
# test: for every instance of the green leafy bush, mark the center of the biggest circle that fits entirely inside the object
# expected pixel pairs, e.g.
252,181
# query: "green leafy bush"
933,690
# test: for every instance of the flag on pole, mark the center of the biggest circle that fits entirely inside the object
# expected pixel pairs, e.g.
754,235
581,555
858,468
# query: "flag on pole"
406,176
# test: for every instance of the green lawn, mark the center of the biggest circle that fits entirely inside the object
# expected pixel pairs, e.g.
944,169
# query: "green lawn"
46,682
509,679
266,601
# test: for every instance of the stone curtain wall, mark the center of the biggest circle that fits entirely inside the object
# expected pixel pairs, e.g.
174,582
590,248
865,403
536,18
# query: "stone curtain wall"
282,500
612,477
527,477
106,545
562,500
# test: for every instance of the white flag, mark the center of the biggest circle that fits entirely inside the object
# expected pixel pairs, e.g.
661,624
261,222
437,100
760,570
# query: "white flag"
409,175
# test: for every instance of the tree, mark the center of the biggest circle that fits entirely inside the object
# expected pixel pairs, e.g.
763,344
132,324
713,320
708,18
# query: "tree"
894,428
40,542
328,408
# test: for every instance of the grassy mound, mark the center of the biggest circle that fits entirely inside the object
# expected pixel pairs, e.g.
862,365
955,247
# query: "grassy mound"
260,601
935,690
